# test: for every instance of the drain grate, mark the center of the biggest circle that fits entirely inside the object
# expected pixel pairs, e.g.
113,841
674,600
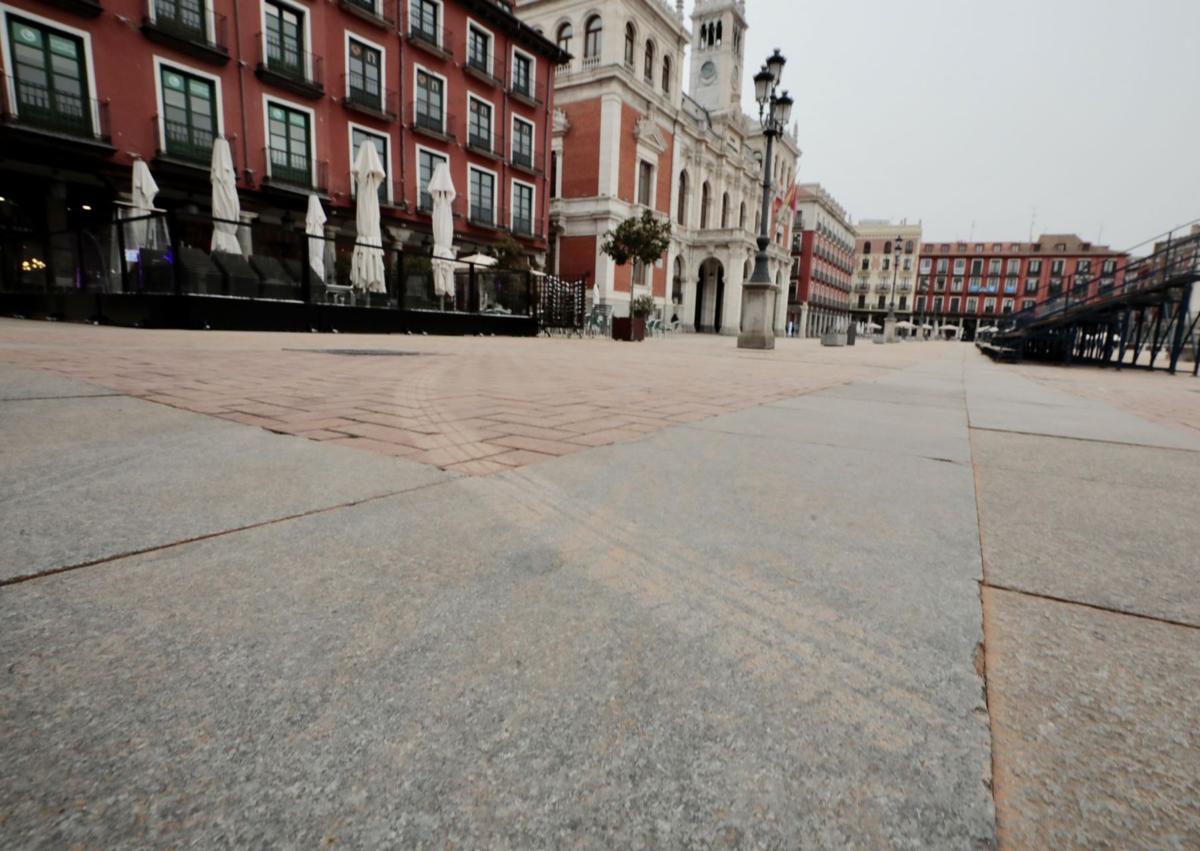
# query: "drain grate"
389,353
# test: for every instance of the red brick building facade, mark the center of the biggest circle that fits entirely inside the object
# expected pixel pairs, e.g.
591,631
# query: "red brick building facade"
823,255
296,86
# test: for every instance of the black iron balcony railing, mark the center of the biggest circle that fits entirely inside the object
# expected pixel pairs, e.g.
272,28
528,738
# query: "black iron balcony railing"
485,67
187,26
368,96
481,144
187,142
482,215
54,110
431,123
434,39
523,88
522,159
291,169
285,64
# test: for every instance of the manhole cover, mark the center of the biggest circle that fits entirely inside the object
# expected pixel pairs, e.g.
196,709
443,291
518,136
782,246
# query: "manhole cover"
389,353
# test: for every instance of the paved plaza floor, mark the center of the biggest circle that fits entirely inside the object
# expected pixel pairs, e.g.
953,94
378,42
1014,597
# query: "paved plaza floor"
299,590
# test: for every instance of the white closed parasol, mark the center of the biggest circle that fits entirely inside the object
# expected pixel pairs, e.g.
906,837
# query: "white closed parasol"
314,226
144,191
226,210
441,189
366,265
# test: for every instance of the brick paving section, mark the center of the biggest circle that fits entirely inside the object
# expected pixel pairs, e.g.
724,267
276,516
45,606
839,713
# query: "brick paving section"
474,405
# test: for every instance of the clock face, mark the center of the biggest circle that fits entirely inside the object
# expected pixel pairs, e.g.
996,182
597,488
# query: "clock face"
708,71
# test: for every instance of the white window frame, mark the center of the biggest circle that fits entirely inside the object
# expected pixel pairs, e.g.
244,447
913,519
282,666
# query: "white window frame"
491,62
972,308
532,70
417,162
84,37
159,63
313,159
305,14
441,28
387,156
652,162
382,66
495,191
491,123
513,184
512,147
421,69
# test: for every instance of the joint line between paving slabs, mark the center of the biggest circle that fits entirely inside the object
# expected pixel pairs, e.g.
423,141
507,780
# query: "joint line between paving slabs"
1083,439
1093,606
71,568
982,651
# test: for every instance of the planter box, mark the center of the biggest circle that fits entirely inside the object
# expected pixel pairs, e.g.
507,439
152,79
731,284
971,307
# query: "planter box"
631,330
833,338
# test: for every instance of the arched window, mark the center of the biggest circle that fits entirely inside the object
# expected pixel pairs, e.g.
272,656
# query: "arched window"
591,37
887,247
681,214
742,216
648,71
866,248
719,32
725,211
666,81
704,198
564,37
629,38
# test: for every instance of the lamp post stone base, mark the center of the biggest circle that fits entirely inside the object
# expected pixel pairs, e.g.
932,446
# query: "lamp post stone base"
889,330
758,316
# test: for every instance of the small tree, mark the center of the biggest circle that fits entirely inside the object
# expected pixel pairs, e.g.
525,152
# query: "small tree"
645,239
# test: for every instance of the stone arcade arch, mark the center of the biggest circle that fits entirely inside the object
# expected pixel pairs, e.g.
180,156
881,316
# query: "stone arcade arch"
710,296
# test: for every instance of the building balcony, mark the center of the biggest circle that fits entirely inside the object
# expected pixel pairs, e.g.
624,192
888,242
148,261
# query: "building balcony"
432,125
197,33
41,117
297,71
487,69
368,97
528,94
526,228
293,174
87,8
436,41
523,161
482,216
377,12
482,145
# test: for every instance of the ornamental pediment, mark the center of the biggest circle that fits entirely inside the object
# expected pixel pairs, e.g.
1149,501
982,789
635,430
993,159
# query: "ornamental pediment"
647,134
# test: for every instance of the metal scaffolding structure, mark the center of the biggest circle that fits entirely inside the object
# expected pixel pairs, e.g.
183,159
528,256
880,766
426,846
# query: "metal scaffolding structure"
1128,320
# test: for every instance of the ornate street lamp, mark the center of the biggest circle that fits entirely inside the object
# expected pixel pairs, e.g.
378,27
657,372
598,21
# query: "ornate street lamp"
889,324
774,112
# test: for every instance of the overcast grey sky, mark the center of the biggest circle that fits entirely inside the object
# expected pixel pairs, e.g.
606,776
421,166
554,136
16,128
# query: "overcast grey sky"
961,111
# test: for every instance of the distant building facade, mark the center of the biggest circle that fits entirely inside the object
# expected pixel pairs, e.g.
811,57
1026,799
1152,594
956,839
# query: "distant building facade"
628,138
878,281
972,284
823,251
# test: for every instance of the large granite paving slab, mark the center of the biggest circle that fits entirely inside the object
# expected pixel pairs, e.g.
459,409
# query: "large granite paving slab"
1100,523
83,479
1096,726
685,641
17,383
1004,401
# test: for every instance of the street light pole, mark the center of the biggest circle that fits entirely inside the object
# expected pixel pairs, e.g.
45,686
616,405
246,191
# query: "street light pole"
759,293
889,324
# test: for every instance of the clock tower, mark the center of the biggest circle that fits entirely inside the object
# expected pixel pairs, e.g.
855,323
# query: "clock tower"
718,41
